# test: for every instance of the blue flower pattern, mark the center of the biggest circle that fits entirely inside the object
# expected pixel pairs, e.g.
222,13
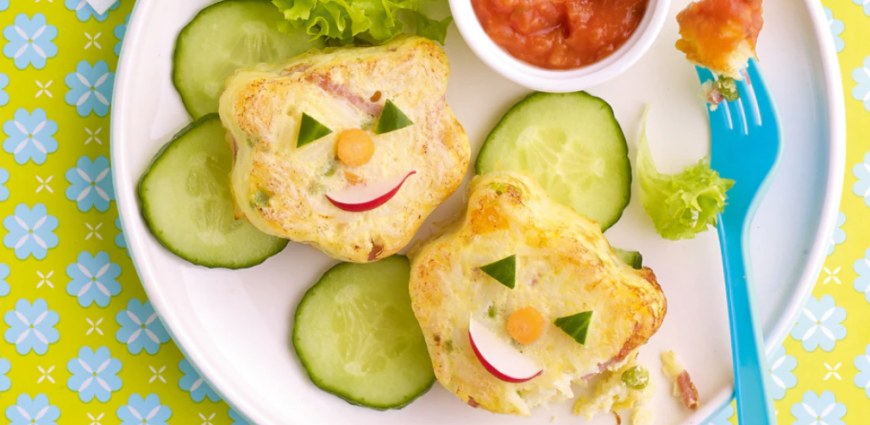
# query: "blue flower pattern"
839,236
147,411
781,377
5,382
31,327
238,419
862,363
84,11
90,88
30,136
862,92
817,410
862,282
120,32
120,240
4,4
4,82
4,177
866,5
837,27
35,411
91,184
94,374
193,383
4,285
862,173
140,328
31,231
30,41
820,324
93,279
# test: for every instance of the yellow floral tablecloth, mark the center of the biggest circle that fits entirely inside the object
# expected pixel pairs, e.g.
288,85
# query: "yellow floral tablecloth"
81,343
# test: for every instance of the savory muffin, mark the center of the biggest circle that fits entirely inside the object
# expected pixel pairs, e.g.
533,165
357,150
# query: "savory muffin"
720,34
315,136
561,272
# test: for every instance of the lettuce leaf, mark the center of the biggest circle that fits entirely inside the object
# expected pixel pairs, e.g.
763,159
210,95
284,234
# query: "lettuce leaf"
680,205
431,28
343,21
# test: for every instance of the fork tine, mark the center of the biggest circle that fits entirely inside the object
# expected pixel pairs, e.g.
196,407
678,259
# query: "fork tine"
764,104
720,119
739,118
749,102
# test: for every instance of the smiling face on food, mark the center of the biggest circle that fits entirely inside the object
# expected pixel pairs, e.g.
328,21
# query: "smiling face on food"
522,297
347,149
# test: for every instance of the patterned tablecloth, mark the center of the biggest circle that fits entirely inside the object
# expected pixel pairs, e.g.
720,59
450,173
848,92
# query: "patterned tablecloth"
81,343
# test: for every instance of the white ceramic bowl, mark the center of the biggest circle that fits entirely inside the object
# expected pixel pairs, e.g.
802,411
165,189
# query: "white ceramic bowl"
559,81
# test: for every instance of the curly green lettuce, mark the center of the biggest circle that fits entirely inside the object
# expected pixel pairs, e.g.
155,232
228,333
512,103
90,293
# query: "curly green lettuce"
680,205
343,22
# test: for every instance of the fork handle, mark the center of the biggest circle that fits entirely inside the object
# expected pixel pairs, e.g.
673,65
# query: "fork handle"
750,365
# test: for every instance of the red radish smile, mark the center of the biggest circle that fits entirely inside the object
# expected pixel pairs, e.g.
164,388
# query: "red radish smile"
500,358
368,196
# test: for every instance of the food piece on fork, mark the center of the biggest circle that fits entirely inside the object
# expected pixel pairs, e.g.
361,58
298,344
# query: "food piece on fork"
720,35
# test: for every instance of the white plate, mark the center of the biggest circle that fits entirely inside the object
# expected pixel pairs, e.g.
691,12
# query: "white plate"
235,325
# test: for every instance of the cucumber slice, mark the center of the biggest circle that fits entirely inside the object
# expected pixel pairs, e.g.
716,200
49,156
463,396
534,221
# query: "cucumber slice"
572,144
632,258
224,37
186,202
357,336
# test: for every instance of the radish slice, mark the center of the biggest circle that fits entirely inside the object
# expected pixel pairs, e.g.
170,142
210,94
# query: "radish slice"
499,357
368,196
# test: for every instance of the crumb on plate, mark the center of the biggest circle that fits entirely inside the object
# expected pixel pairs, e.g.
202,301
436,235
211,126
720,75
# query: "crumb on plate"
684,388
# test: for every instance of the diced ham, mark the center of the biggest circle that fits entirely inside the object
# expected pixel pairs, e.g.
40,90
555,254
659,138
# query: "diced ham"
684,388
688,392
341,91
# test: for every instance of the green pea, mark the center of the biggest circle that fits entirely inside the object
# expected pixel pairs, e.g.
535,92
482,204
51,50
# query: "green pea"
636,378
727,87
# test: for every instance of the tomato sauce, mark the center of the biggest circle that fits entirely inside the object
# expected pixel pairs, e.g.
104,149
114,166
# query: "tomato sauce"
560,34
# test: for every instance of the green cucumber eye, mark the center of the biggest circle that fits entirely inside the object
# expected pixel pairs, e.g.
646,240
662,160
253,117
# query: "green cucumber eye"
504,271
576,326
392,119
310,130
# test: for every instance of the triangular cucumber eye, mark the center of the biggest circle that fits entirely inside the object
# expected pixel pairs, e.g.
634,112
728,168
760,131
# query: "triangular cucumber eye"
504,271
310,130
392,119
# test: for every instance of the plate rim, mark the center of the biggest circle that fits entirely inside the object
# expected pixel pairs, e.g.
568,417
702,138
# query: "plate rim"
836,135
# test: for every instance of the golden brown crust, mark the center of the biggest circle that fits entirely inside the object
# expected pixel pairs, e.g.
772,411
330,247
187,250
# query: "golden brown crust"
262,107
564,266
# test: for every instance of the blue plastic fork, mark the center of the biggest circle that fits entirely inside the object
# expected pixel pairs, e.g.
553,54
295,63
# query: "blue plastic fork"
745,147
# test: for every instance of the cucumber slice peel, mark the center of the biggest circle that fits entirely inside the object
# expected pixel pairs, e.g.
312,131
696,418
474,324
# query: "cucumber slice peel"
574,147
224,37
310,130
392,119
357,337
632,258
185,200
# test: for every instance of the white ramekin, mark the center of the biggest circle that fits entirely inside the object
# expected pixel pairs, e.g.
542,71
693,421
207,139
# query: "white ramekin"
558,81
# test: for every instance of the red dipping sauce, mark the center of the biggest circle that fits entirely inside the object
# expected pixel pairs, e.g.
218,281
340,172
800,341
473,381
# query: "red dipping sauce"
560,34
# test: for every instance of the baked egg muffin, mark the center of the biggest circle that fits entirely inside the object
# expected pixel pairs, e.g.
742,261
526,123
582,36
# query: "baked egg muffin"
346,149
522,296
